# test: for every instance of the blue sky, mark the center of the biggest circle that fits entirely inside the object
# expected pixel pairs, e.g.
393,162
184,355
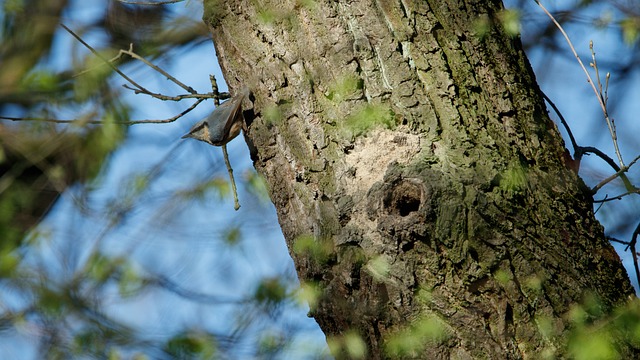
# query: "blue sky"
183,240
562,79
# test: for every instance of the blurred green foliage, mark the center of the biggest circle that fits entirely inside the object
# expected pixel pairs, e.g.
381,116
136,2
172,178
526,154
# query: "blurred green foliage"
319,250
514,179
410,341
350,345
192,345
345,87
366,118
596,335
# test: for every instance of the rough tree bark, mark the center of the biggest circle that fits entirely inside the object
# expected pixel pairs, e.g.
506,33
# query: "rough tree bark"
410,141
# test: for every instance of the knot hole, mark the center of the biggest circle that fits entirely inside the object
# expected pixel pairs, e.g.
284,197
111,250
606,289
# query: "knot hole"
404,198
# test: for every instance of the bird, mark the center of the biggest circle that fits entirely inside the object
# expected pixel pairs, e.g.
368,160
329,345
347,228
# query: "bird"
220,127
224,123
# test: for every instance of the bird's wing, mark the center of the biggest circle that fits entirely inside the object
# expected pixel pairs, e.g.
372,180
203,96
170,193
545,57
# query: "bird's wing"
222,119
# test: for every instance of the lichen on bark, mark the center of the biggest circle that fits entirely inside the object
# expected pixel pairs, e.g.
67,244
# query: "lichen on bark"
417,153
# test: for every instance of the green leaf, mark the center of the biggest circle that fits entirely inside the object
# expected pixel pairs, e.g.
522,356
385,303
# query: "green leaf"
192,345
257,186
40,81
367,117
309,293
232,236
630,29
515,178
130,282
410,341
379,268
510,20
344,88
351,343
319,250
270,290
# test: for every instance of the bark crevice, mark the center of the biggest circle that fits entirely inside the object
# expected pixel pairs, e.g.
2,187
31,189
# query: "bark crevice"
417,156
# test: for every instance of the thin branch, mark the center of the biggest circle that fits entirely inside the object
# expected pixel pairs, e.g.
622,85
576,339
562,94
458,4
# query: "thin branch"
612,239
55,121
594,65
171,119
607,199
604,97
115,68
573,50
598,208
214,89
98,122
168,97
579,151
165,283
608,160
130,52
164,2
599,153
574,144
88,70
236,203
617,174
603,106
137,88
632,245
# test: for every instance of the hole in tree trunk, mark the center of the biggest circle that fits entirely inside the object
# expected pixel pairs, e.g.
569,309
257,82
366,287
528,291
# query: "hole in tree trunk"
404,198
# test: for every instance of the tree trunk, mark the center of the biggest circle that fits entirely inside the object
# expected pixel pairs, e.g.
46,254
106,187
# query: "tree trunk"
417,178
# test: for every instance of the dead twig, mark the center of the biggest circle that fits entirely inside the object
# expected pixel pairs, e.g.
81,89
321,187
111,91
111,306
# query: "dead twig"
164,2
580,151
98,122
599,95
137,88
621,171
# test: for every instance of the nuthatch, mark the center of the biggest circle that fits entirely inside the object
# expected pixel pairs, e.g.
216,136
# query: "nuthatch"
224,123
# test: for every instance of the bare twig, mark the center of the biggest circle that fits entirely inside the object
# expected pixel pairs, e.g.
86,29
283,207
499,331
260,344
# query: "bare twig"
621,171
574,144
604,97
236,203
214,89
599,96
88,70
611,162
607,199
612,239
579,151
171,119
594,65
631,245
130,52
164,2
98,122
115,68
137,88
168,97
573,50
55,121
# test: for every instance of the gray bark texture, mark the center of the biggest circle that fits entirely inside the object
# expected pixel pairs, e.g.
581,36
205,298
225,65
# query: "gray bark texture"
416,174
